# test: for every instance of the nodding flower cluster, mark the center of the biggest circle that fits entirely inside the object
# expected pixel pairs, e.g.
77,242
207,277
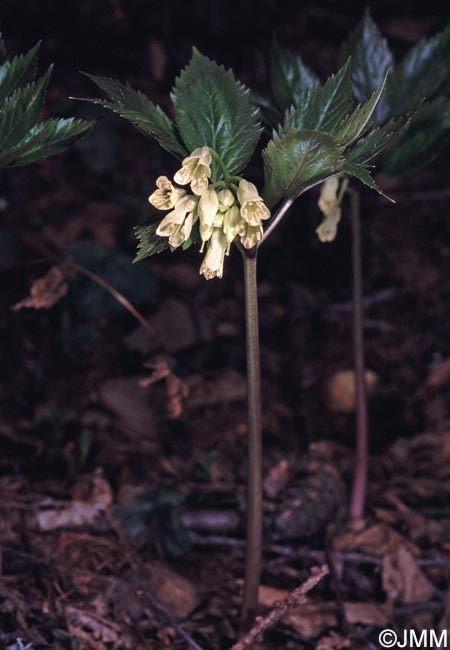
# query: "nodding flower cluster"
224,211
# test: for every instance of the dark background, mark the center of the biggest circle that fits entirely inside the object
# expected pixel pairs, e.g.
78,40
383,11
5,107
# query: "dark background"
56,364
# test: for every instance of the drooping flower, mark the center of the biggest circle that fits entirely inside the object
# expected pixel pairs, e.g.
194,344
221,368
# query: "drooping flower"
195,169
249,235
253,208
177,225
212,265
331,209
166,196
208,206
231,220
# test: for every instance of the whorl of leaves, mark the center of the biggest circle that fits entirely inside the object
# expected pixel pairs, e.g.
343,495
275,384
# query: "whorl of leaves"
23,138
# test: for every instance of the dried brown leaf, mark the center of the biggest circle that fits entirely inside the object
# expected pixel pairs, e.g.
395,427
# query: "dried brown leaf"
46,291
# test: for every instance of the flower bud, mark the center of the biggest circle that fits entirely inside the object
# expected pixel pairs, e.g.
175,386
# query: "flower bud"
207,207
231,219
330,207
226,200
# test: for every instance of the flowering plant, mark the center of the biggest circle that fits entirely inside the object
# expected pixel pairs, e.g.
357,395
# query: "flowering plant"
321,135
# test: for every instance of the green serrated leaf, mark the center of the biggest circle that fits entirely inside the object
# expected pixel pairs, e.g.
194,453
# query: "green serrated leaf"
424,71
371,58
290,77
362,174
137,108
324,107
46,139
370,147
149,242
21,111
423,139
356,124
296,161
17,72
213,109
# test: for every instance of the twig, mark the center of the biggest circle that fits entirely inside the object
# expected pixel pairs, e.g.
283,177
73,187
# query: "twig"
118,296
41,247
276,219
296,598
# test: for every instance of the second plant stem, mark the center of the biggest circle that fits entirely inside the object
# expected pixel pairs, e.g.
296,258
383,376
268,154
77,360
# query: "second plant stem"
359,488
254,472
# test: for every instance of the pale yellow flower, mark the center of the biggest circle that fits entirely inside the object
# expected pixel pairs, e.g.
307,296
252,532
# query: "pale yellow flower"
249,235
212,265
177,225
253,208
208,206
205,234
166,196
231,220
330,207
195,170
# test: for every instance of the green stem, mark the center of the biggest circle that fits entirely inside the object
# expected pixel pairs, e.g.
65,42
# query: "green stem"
359,488
342,190
254,475
221,164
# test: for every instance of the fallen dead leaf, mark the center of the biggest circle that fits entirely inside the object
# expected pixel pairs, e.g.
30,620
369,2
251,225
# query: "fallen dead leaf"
377,539
46,291
403,580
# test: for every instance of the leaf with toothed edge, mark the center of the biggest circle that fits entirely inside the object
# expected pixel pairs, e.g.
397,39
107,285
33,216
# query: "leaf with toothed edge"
18,72
213,109
324,107
362,174
424,72
381,138
149,242
425,136
290,77
298,160
371,59
137,108
45,139
20,112
356,124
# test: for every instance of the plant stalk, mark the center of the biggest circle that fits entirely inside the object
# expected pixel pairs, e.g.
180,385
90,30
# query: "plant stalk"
254,472
359,489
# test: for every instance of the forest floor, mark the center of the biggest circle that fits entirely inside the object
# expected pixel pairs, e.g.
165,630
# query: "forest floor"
123,465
